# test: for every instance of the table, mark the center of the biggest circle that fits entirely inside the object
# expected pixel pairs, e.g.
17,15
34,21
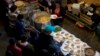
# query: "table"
70,43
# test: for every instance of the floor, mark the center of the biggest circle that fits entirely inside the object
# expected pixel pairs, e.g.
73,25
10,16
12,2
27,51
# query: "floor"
85,35
3,40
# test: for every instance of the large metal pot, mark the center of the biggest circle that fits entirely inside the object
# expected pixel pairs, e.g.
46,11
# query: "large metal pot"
41,19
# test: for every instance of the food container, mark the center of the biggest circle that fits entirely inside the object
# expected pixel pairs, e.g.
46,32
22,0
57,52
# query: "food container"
20,4
89,52
41,19
53,16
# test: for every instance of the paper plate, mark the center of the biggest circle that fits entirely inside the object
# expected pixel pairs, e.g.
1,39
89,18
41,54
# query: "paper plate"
53,16
66,48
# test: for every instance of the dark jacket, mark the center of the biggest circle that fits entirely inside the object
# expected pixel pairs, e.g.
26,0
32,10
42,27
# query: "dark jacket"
43,3
20,29
44,40
62,11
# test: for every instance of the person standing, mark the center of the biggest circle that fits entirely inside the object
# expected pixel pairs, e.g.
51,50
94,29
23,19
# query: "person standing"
60,12
3,14
13,49
20,26
95,19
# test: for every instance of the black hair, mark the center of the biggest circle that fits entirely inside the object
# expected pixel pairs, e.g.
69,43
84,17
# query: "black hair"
13,8
23,38
12,41
94,7
56,3
20,16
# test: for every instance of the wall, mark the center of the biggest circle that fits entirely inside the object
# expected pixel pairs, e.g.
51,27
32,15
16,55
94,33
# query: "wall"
97,2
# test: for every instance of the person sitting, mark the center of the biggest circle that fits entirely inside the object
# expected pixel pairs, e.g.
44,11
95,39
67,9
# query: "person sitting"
13,49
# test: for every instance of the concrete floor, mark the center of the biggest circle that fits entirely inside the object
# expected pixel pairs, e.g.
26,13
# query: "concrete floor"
85,35
3,40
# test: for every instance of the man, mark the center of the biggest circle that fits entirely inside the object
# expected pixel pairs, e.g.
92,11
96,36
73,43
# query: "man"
20,26
13,48
46,44
95,19
28,49
3,12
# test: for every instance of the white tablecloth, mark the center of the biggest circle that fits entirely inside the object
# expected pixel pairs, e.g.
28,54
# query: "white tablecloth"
70,43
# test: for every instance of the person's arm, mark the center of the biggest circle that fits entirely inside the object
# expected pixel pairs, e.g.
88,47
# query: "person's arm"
62,12
47,10
41,5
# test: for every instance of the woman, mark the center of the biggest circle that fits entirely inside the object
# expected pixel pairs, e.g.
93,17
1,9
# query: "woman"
59,11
